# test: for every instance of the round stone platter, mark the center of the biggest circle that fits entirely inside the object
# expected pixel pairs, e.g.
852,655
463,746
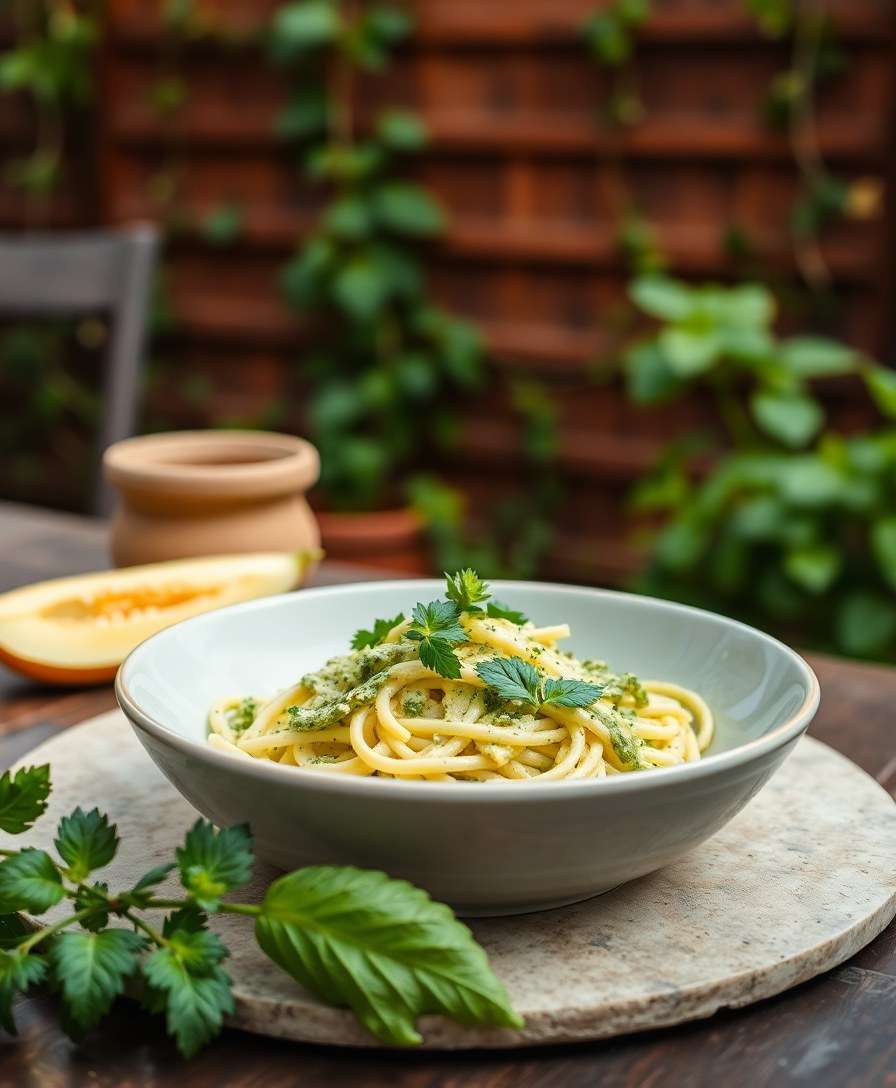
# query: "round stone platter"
794,885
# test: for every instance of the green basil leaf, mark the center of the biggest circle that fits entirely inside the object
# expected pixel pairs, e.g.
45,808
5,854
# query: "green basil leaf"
381,947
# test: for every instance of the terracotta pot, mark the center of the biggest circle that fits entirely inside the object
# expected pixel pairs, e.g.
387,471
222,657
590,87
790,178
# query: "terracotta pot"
383,539
211,493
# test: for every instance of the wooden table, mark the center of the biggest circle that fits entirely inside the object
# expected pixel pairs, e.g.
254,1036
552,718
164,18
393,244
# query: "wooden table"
836,1030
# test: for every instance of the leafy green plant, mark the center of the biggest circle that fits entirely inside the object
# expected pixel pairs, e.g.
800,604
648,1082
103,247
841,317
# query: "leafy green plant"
384,357
336,931
49,62
792,526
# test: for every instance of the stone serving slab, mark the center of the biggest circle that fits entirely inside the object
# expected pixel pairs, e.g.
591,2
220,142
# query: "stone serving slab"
798,882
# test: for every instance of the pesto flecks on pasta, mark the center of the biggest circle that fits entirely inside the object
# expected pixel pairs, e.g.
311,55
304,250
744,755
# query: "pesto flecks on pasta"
466,689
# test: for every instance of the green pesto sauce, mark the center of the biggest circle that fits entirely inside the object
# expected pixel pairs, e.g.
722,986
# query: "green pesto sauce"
343,673
326,710
413,702
243,716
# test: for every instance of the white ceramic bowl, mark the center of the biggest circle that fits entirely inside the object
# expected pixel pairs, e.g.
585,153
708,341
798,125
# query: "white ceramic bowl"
485,848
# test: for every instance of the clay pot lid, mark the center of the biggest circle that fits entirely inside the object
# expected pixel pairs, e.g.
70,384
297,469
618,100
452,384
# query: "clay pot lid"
225,464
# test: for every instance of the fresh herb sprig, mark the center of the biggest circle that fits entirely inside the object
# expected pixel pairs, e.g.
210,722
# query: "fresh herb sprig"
336,930
514,679
381,628
470,593
437,628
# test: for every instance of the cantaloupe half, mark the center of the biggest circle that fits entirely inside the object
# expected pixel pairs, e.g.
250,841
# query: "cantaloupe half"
78,630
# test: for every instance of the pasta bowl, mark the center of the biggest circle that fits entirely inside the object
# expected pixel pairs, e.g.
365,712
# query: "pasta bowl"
483,847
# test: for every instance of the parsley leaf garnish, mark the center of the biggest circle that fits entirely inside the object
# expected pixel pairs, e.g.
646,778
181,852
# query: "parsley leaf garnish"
571,693
381,628
467,590
437,628
500,611
513,678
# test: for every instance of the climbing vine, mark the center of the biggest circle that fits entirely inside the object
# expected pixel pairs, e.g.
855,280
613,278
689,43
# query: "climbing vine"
790,106
385,359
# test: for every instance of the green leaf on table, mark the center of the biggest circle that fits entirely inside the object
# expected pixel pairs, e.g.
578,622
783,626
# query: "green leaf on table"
381,947
214,862
13,930
791,417
29,881
467,590
866,624
663,298
814,568
816,357
363,638
18,972
94,897
143,890
406,208
883,545
881,384
86,841
89,970
186,980
23,797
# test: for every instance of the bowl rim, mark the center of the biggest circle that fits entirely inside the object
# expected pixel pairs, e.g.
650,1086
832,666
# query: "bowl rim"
265,770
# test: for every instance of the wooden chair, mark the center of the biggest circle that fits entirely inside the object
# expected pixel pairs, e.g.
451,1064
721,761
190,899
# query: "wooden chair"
107,272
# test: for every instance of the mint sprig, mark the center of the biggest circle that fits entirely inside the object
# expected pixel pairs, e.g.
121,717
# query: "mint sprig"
338,931
517,680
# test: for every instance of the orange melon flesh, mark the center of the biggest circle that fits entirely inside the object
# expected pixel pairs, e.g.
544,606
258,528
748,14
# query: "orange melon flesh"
78,630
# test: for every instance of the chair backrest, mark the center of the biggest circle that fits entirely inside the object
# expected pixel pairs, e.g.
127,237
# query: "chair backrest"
83,273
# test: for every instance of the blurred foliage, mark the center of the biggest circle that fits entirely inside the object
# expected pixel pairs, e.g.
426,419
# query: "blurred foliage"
384,358
45,445
790,525
49,62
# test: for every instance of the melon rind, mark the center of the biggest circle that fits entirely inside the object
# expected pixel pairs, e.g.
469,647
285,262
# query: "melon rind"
43,637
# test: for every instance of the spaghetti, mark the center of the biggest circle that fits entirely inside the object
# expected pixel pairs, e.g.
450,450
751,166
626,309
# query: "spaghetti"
380,710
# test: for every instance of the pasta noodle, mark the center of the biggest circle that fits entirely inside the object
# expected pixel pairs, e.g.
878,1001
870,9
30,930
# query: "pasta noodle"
381,711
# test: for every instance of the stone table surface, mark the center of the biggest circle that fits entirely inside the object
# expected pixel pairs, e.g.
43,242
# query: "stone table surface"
834,1030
